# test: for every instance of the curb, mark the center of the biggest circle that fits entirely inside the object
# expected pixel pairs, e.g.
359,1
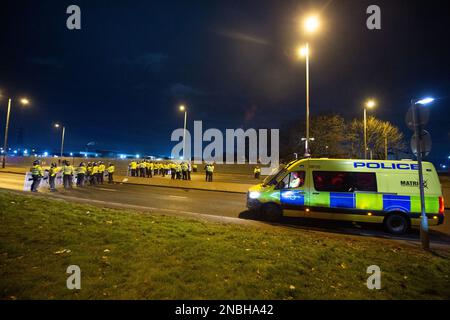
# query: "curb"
153,185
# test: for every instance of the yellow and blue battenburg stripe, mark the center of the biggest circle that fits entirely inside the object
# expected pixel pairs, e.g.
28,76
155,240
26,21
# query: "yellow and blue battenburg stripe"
360,201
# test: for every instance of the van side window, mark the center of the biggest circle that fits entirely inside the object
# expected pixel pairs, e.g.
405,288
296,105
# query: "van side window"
336,181
295,179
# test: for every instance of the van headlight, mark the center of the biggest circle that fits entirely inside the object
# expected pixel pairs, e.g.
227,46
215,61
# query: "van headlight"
254,195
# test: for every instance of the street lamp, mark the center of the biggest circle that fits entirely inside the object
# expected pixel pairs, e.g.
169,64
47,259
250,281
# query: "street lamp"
424,236
183,109
57,125
22,101
310,25
369,105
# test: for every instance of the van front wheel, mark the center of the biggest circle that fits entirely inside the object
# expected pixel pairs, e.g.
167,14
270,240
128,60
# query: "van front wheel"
271,212
396,223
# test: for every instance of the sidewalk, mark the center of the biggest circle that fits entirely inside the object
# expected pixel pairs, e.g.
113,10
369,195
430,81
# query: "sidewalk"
197,182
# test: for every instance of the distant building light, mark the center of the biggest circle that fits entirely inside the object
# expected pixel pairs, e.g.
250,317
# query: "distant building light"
25,151
15,151
138,156
122,156
45,154
71,154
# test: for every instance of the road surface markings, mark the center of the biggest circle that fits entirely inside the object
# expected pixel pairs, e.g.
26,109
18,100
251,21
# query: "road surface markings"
104,189
178,197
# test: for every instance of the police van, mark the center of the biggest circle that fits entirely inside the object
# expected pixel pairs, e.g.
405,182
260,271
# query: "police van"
354,190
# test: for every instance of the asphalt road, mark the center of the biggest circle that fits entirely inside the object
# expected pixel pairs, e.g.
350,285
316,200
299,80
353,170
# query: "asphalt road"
209,203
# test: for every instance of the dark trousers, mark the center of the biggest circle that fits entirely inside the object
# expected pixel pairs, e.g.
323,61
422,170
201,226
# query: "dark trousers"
178,175
257,174
100,177
80,180
173,174
184,175
35,184
67,181
93,179
110,177
209,176
51,182
133,172
189,175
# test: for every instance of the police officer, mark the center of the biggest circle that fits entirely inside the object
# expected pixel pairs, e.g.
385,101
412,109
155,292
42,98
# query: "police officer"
110,170
89,172
52,176
178,171
209,172
184,169
142,166
81,174
94,176
173,172
133,167
67,171
37,174
257,172
101,172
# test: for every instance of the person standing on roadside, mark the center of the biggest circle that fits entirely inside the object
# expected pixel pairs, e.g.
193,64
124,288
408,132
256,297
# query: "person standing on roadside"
52,176
36,173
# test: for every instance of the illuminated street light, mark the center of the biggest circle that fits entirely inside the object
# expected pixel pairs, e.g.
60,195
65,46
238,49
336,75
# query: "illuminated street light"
311,24
22,101
183,109
425,101
424,230
368,105
57,125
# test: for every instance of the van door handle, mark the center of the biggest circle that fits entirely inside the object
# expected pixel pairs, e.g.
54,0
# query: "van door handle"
315,193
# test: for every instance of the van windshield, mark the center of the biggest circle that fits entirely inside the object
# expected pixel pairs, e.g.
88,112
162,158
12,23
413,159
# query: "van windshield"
275,177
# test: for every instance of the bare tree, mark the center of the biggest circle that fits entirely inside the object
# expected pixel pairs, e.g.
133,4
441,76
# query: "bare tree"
378,133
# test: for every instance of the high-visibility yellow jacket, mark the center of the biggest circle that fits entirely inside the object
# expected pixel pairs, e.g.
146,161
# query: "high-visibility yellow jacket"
257,170
101,168
111,169
89,170
37,171
53,171
94,169
67,170
133,165
82,169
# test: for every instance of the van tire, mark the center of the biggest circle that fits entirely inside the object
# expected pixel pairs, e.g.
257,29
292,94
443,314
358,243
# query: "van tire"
397,223
271,212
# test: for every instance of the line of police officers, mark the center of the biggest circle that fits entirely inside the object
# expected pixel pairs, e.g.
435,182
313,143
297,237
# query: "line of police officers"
92,173
177,170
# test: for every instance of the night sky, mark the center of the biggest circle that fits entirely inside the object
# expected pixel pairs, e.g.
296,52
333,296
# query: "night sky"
119,79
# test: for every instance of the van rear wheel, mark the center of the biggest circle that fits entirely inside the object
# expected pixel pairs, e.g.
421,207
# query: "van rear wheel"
396,223
271,212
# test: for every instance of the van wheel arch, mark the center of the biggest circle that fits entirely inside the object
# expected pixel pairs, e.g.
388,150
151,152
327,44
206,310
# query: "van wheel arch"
397,222
271,211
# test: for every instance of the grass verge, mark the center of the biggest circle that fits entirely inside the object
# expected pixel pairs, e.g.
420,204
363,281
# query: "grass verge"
126,254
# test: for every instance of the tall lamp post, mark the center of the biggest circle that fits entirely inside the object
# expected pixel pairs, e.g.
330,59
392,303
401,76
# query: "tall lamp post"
57,125
368,105
183,109
22,101
311,24
415,106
